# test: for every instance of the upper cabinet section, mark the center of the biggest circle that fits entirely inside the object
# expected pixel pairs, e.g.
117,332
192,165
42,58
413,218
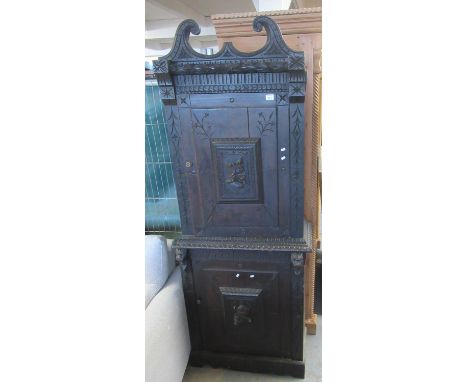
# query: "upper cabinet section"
235,122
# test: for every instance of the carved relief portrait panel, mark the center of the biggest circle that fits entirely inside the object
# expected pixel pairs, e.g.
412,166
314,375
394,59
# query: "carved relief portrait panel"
238,169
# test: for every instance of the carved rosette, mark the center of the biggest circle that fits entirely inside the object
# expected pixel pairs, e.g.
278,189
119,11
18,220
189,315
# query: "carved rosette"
296,62
166,92
183,100
296,89
160,66
282,99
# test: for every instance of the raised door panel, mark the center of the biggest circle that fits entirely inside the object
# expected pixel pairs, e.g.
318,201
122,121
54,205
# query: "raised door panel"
243,310
234,151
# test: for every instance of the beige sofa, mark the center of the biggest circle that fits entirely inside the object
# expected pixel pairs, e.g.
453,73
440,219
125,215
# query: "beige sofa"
167,346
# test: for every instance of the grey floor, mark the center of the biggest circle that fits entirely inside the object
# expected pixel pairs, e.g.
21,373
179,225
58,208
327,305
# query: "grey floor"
312,357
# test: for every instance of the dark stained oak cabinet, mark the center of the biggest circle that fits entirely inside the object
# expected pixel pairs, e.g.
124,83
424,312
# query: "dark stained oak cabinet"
236,127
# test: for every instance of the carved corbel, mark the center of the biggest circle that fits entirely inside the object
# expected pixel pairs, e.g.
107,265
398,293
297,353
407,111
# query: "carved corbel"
182,258
297,260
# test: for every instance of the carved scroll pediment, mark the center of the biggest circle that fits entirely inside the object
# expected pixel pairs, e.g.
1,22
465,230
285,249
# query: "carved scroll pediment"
274,56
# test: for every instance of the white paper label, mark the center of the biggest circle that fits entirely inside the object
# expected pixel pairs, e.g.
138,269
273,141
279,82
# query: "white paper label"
270,97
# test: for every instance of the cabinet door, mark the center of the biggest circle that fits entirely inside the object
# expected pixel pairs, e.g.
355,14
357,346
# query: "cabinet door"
243,303
238,151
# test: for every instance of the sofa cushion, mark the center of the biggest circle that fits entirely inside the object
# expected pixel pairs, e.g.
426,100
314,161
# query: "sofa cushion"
159,263
167,344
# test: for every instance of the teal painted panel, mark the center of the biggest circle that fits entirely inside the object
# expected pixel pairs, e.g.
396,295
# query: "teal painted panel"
161,207
162,215
157,144
159,181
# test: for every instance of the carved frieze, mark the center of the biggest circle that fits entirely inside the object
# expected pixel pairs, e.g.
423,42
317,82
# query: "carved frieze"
232,82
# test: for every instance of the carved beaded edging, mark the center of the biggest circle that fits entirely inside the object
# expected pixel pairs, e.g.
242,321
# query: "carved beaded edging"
262,244
238,256
299,11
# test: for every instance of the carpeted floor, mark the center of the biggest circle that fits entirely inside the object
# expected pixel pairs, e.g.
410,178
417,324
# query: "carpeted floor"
312,357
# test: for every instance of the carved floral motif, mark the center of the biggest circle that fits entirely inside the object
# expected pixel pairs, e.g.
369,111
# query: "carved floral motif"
297,123
264,125
202,126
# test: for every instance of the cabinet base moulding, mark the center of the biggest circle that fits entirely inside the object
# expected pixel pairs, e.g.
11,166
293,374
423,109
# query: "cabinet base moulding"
255,364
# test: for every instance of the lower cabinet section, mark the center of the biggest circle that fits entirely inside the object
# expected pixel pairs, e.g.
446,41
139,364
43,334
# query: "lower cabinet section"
245,309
